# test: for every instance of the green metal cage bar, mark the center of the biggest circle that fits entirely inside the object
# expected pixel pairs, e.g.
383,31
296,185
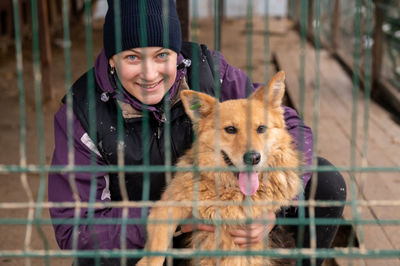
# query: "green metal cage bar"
35,206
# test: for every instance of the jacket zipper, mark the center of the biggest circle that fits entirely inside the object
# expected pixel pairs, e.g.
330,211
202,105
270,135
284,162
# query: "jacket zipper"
160,125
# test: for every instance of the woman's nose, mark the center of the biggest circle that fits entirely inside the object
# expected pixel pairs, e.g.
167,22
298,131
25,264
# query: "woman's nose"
149,70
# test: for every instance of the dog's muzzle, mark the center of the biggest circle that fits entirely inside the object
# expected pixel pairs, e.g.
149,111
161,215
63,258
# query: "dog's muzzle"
248,181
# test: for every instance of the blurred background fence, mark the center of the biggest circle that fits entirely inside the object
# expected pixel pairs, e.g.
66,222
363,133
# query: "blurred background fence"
342,59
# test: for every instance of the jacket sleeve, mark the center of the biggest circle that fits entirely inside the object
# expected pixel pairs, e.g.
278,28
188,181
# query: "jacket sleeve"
303,138
236,84
104,236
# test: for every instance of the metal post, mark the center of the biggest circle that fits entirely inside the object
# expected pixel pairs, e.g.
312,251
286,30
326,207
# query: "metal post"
45,50
183,10
336,26
377,49
219,15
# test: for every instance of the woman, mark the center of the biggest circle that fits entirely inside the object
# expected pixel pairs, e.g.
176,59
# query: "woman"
140,79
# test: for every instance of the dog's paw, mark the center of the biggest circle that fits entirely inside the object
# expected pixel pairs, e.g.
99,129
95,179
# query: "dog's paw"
143,262
154,261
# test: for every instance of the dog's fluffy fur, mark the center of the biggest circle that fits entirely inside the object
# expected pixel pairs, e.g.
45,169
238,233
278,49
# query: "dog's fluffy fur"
226,132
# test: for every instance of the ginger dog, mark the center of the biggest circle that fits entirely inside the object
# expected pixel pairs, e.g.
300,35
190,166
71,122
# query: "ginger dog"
251,134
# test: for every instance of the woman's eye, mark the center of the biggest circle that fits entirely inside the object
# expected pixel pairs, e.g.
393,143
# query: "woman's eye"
261,129
231,130
163,55
132,57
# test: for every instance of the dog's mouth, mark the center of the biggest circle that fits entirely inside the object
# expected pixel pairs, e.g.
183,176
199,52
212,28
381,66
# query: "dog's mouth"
248,181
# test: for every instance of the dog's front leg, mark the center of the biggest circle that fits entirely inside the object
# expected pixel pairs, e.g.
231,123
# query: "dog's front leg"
160,231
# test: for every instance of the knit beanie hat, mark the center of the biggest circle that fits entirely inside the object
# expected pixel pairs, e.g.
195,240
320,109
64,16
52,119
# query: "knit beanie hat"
131,21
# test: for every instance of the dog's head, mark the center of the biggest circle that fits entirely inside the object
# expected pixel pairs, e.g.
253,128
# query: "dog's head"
240,132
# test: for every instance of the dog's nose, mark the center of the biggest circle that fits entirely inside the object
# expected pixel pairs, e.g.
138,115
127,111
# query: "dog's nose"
251,157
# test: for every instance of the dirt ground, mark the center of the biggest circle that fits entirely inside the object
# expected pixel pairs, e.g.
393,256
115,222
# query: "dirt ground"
38,124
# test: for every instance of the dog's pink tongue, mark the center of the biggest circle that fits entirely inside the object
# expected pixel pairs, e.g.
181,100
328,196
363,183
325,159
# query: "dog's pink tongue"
248,183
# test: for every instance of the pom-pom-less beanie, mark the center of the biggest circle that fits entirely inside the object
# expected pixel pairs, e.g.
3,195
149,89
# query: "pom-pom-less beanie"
143,23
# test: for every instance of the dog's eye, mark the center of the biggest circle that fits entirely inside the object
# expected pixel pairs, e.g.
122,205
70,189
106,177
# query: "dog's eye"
231,130
261,129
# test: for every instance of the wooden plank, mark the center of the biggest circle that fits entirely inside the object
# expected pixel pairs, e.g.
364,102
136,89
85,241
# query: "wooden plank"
55,15
6,30
25,18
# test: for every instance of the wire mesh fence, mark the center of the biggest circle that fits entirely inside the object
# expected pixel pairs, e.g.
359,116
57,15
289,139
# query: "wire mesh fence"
346,28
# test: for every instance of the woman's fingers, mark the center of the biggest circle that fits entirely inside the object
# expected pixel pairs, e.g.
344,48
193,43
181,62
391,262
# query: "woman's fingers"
186,228
252,233
243,236
206,227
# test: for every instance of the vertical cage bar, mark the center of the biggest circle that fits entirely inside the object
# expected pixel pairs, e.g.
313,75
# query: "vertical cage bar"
316,23
303,39
354,119
39,116
92,124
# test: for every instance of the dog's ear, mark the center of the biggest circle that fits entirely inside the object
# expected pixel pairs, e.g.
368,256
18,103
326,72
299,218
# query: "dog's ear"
197,104
275,90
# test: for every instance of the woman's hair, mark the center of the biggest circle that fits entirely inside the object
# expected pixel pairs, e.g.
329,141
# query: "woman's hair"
142,23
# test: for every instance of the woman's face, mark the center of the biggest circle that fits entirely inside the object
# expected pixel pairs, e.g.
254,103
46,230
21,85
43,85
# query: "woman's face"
146,73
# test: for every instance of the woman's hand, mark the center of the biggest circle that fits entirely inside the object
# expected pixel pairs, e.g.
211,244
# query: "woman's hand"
243,236
247,235
186,228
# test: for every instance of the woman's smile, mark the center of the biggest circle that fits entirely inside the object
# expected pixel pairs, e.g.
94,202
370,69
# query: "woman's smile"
150,86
